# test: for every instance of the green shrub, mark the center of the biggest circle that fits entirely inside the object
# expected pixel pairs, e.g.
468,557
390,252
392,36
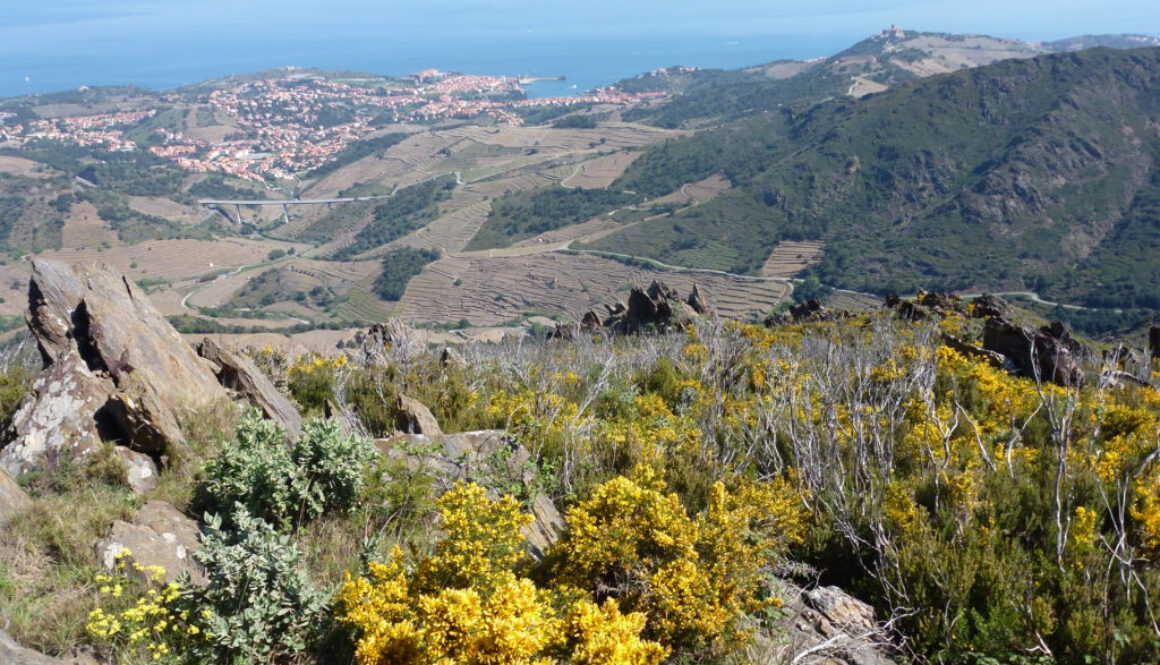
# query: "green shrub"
258,606
286,484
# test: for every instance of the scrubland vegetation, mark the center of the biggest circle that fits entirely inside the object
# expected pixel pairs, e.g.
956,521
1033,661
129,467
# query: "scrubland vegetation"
987,518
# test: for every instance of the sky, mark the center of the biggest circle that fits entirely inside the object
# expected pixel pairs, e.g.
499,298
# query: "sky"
69,42
1040,19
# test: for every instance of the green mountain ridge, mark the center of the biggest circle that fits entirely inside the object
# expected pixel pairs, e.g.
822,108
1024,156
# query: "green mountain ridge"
1018,174
891,57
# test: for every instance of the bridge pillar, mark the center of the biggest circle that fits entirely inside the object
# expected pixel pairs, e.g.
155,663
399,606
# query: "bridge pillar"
286,213
238,207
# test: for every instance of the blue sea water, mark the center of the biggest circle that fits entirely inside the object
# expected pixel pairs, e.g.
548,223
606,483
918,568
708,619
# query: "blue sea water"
80,45
48,45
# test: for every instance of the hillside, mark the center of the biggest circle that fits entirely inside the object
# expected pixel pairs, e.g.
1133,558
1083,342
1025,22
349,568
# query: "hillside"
870,190
821,490
1007,176
872,65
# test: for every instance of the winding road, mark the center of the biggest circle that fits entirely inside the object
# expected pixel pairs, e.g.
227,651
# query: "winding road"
232,273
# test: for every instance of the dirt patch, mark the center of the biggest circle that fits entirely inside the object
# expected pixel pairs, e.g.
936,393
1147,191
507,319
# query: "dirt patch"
860,87
24,167
166,209
586,232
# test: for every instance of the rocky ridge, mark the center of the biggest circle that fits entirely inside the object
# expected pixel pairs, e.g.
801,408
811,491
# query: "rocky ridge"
115,371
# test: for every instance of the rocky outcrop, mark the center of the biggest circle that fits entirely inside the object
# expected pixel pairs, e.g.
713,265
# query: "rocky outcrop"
412,417
996,359
238,373
140,470
591,322
489,457
987,306
12,653
1123,356
699,302
826,626
1046,354
658,309
928,304
159,535
115,370
1154,342
62,417
449,357
810,311
390,334
13,499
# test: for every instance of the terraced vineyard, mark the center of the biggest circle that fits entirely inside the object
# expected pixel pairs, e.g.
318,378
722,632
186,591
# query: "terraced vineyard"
493,290
790,258
451,232
83,227
488,288
600,172
698,192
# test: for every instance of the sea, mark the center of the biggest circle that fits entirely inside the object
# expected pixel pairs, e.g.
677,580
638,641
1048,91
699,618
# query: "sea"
65,55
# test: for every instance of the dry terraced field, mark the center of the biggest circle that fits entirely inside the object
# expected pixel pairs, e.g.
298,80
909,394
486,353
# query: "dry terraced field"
600,172
25,167
175,259
698,192
488,291
791,258
83,227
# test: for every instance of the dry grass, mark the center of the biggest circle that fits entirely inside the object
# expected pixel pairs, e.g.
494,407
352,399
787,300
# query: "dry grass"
174,259
47,563
24,167
860,87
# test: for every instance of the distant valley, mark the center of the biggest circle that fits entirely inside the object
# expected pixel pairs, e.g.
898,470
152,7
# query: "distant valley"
911,160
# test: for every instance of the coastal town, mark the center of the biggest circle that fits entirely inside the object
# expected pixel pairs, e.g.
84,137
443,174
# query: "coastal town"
282,127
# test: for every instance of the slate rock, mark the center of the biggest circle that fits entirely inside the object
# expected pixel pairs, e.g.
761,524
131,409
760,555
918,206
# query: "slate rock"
158,535
415,418
449,357
698,301
483,456
128,353
12,653
59,417
141,471
827,626
237,372
1047,353
13,498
